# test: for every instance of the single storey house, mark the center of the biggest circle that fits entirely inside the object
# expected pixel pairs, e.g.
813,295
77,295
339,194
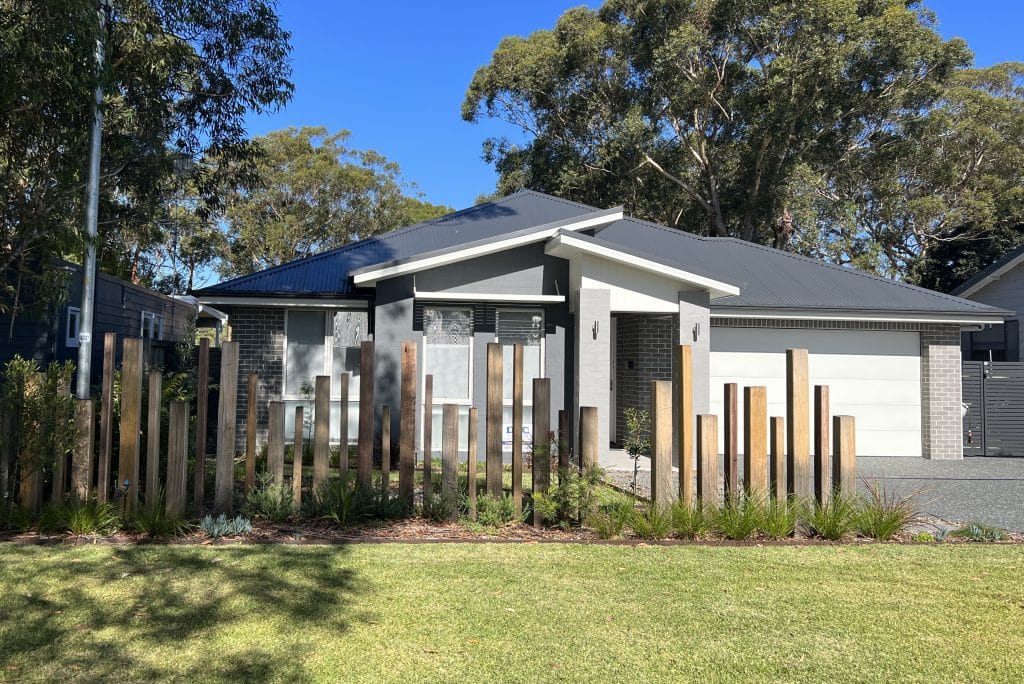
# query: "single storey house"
600,300
1000,285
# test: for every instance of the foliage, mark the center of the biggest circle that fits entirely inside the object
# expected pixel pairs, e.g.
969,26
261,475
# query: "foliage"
738,518
691,522
343,500
153,520
925,538
979,532
653,523
269,501
311,192
88,517
849,131
495,511
610,519
222,526
13,517
573,498
637,442
833,520
778,519
437,508
884,513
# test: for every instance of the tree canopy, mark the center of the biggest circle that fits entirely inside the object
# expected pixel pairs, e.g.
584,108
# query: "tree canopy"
844,129
309,192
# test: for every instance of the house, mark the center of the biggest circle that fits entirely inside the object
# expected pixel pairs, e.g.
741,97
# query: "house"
1000,285
49,331
600,300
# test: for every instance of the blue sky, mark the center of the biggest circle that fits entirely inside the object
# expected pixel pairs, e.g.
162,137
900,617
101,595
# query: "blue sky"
395,74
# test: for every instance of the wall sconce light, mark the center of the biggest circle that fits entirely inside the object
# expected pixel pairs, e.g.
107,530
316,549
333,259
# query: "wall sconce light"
595,329
696,331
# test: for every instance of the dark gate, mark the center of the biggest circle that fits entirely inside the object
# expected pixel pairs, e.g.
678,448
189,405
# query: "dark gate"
994,394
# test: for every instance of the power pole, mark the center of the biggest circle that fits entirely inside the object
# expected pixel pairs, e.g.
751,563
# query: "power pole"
92,200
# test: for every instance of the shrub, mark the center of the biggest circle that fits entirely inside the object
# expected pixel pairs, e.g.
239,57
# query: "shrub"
884,513
92,517
268,501
343,500
223,526
778,519
638,437
834,520
610,519
979,532
438,508
924,538
153,520
690,522
738,518
654,523
493,511
573,498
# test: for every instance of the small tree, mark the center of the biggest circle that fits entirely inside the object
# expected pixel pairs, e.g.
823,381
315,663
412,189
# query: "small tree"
638,437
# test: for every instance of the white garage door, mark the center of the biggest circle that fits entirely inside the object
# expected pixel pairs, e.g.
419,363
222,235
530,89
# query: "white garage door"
874,376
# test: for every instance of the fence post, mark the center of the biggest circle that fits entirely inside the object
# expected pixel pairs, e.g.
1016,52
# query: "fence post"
131,418
517,429
662,492
364,466
822,456
844,476
6,451
106,419
563,439
471,462
156,380
755,445
250,432
321,433
588,437
730,476
297,427
800,481
275,441
407,425
177,458
495,370
428,434
777,468
707,460
81,457
385,451
685,409
60,466
541,442
226,417
343,424
450,453
202,415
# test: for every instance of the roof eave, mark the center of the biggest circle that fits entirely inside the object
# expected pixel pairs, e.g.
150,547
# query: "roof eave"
990,316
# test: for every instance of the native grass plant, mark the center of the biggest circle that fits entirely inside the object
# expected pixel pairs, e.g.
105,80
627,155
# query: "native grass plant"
637,442
739,518
979,532
344,501
153,520
691,521
437,508
611,518
653,523
778,518
572,499
496,511
88,517
222,526
833,520
269,501
884,513
13,517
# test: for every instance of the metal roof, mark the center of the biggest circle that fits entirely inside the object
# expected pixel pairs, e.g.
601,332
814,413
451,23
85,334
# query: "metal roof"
768,279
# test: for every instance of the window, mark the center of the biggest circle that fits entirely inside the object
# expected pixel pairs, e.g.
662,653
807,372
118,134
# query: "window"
323,343
448,352
526,327
995,343
349,331
71,326
152,326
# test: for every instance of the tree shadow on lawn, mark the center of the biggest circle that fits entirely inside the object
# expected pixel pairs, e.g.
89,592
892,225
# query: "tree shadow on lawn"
178,597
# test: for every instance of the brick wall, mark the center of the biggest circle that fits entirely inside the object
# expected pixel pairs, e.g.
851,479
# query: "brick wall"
941,393
260,336
644,345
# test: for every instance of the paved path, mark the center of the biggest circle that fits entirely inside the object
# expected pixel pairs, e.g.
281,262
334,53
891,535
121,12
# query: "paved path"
988,490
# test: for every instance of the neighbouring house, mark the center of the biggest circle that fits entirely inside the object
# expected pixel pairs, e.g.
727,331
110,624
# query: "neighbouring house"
600,300
49,330
1000,285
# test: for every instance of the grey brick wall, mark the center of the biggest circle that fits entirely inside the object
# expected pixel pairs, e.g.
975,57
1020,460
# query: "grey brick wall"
260,336
941,393
644,352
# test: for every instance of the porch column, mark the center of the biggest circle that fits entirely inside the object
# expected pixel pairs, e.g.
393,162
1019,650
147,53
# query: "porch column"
941,419
593,359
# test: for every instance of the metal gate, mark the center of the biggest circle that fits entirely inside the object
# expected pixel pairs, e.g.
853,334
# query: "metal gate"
993,392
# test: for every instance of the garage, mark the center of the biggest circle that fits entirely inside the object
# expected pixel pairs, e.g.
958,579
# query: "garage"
872,375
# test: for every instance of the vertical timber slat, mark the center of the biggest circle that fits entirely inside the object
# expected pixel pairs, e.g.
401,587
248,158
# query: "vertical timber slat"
226,417
131,418
471,462
517,429
177,458
495,370
297,448
81,458
202,414
275,441
541,443
321,433
662,492
385,451
800,481
106,419
755,444
156,380
777,467
588,437
343,383
845,457
563,439
364,465
407,424
686,488
822,456
731,432
707,460
250,432
428,434
450,453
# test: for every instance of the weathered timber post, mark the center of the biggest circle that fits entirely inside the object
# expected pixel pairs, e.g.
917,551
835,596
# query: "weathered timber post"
407,425
226,416
707,460
517,429
343,424
106,419
250,432
588,437
428,434
685,408
541,443
564,433
364,464
153,437
275,441
822,455
662,490
731,432
450,454
321,433
800,480
131,418
471,462
81,457
297,449
202,416
777,468
495,370
385,451
844,476
177,458
755,442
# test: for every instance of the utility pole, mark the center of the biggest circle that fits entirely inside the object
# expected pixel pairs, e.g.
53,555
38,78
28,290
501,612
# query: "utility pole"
92,201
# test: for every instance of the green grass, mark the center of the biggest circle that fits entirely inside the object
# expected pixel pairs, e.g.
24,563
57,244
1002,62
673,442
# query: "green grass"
512,612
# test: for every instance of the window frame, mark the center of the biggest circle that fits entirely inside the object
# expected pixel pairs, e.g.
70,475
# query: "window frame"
328,367
69,339
543,343
437,399
156,326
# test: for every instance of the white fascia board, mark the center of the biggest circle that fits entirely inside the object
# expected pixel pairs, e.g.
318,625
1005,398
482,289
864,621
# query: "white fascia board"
562,242
370,276
286,302
992,277
213,313
488,297
869,318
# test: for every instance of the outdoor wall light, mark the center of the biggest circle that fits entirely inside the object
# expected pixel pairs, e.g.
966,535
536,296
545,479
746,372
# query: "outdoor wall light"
595,329
696,331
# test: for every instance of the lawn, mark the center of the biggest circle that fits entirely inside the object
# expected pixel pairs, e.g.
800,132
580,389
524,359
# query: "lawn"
474,612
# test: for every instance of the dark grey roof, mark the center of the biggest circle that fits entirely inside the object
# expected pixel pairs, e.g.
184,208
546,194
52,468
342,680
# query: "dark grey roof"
329,273
769,279
985,273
